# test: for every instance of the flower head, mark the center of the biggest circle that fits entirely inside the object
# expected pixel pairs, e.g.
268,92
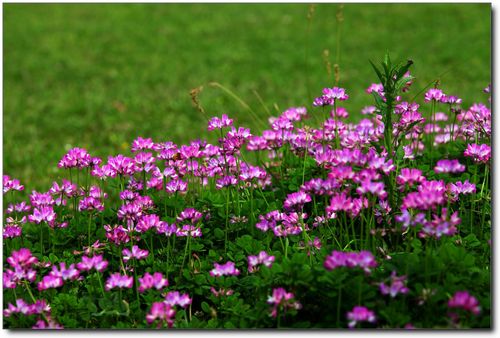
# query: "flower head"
227,269
360,314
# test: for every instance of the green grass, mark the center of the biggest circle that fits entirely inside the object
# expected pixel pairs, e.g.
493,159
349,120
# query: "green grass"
98,76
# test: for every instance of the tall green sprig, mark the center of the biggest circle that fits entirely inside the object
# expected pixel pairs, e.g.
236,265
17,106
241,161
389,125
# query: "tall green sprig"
393,78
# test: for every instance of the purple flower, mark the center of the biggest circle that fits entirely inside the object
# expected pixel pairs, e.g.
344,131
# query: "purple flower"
41,324
433,94
261,258
118,281
409,176
149,281
12,231
296,201
282,300
219,123
360,314
330,95
190,215
221,292
479,153
75,158
142,144
397,286
463,300
162,312
449,166
175,298
176,185
43,214
440,226
457,188
227,269
11,184
22,258
363,259
50,282
120,165
70,273
95,262
147,222
135,253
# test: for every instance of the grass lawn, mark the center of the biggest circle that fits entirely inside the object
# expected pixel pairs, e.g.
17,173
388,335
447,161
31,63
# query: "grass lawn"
99,75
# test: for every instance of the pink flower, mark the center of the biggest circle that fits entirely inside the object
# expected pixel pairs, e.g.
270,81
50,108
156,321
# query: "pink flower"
433,94
360,314
50,282
262,258
135,253
463,300
149,281
142,144
282,300
363,259
11,184
221,292
176,298
162,312
296,201
227,269
95,262
75,158
118,281
409,176
479,153
43,214
397,286
219,123
70,273
449,166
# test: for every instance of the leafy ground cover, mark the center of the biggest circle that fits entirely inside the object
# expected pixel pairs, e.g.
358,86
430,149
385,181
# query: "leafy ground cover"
128,69
315,222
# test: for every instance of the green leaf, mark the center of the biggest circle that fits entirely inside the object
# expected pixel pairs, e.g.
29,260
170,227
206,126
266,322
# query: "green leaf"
219,234
379,74
205,307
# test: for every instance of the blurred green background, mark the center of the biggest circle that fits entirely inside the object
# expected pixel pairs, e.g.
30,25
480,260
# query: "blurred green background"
99,75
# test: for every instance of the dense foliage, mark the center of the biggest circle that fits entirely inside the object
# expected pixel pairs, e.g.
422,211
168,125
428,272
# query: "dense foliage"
314,223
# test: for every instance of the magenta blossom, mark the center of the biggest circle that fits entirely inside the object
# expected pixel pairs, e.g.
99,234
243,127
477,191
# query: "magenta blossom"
149,281
75,158
176,298
397,286
296,201
50,282
118,281
463,300
95,262
162,312
11,184
360,314
227,269
135,253
281,301
261,258
363,259
449,166
219,123
479,153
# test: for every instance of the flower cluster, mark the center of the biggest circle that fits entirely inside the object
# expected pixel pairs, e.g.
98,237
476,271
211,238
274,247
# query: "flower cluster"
360,314
363,259
227,269
261,258
463,300
282,301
